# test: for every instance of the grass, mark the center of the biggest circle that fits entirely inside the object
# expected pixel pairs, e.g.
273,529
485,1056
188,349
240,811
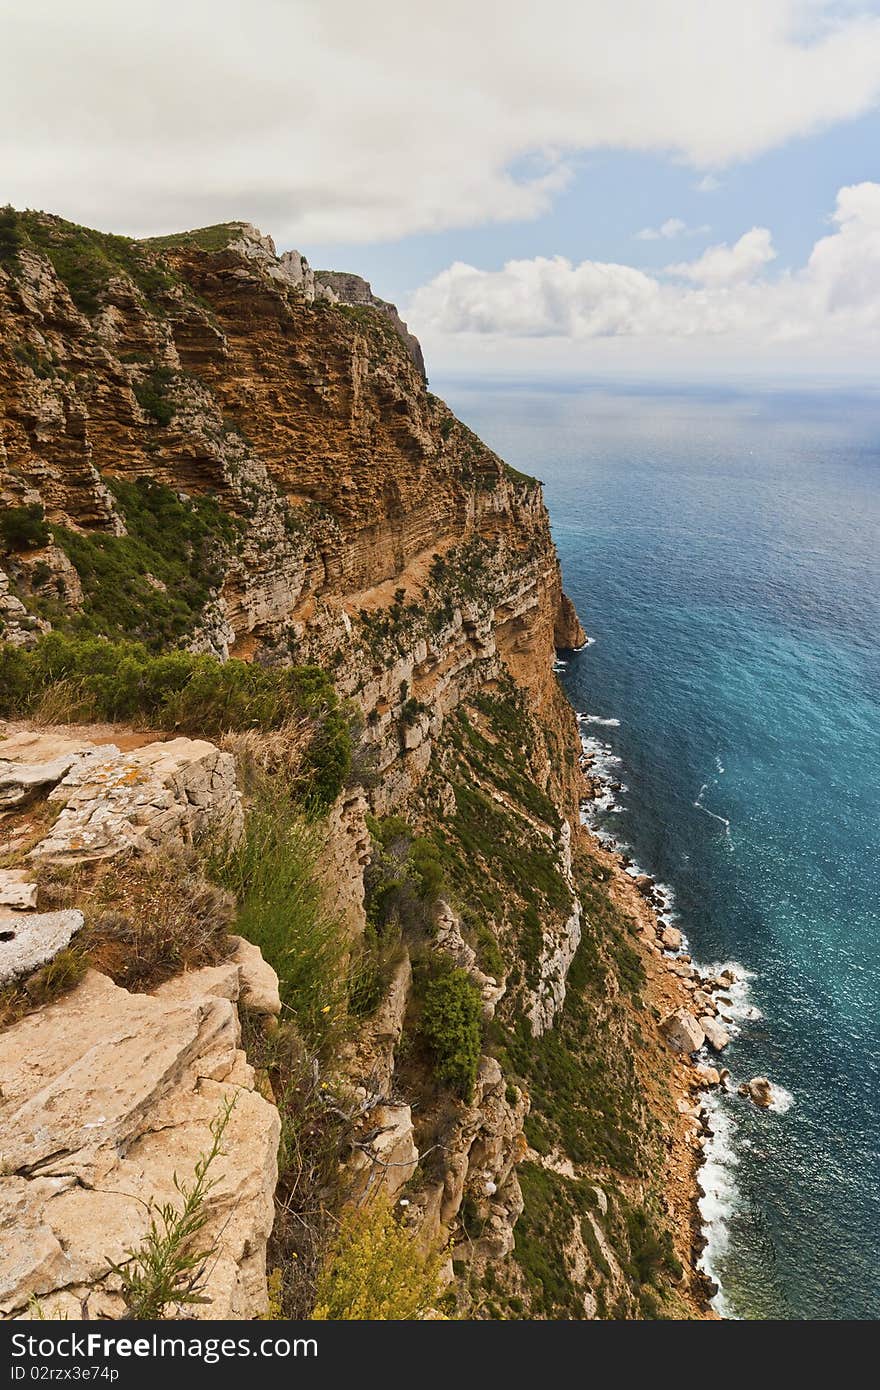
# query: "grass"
146,919
52,981
82,679
585,1091
272,873
85,260
313,1143
556,1209
214,238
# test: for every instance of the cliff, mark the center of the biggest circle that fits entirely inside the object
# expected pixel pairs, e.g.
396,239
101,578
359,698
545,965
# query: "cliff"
210,449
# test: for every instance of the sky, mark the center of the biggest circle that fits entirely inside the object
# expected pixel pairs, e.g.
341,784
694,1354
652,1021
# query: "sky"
603,186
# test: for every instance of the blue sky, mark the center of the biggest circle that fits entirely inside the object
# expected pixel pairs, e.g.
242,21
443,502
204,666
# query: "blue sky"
615,194
489,164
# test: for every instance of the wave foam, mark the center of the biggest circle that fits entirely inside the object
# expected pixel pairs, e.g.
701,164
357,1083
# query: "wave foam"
705,809
719,1194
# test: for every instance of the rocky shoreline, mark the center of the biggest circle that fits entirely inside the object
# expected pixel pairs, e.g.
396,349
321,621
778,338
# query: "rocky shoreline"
695,1015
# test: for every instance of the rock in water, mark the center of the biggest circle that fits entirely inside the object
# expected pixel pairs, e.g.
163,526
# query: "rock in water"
758,1090
716,1036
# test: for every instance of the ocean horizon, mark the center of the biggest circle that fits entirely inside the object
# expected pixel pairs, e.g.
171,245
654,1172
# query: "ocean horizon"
719,543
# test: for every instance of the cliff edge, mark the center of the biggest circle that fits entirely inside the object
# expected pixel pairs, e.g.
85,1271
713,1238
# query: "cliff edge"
233,511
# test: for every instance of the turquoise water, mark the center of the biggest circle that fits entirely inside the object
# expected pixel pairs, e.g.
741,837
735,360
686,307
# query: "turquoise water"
722,550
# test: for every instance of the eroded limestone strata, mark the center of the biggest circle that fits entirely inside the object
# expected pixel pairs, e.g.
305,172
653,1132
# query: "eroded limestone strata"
340,516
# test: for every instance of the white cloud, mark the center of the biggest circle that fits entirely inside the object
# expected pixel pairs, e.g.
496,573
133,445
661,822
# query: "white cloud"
332,119
672,227
832,303
669,230
708,184
729,265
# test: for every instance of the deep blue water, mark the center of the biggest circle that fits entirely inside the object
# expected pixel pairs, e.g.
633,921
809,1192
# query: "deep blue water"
722,549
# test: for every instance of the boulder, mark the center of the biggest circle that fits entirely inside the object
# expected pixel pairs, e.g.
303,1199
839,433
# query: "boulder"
706,1076
758,1090
716,1036
258,981
31,939
16,890
682,968
682,1031
671,938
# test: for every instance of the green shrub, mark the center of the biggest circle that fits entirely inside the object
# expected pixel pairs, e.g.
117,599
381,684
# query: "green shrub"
403,879
151,394
153,582
91,678
23,528
83,259
11,239
451,1027
168,1270
377,1271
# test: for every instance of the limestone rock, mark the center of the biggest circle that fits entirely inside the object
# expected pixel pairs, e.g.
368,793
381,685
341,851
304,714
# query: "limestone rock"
18,627
716,1036
16,889
30,939
682,1031
449,940
106,1096
351,289
118,802
558,947
31,763
671,938
385,1154
259,982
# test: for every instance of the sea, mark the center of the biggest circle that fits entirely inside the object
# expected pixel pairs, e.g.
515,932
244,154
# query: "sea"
722,546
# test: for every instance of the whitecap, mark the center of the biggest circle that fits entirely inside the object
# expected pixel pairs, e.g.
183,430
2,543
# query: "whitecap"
598,719
782,1099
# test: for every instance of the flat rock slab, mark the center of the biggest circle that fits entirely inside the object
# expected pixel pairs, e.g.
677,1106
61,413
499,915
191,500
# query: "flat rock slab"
31,939
105,1098
32,764
117,802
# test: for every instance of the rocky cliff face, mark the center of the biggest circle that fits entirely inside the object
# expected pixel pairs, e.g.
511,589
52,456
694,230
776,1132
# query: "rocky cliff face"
207,445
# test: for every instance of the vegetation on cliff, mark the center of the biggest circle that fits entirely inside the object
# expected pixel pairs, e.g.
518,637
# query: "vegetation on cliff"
275,482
